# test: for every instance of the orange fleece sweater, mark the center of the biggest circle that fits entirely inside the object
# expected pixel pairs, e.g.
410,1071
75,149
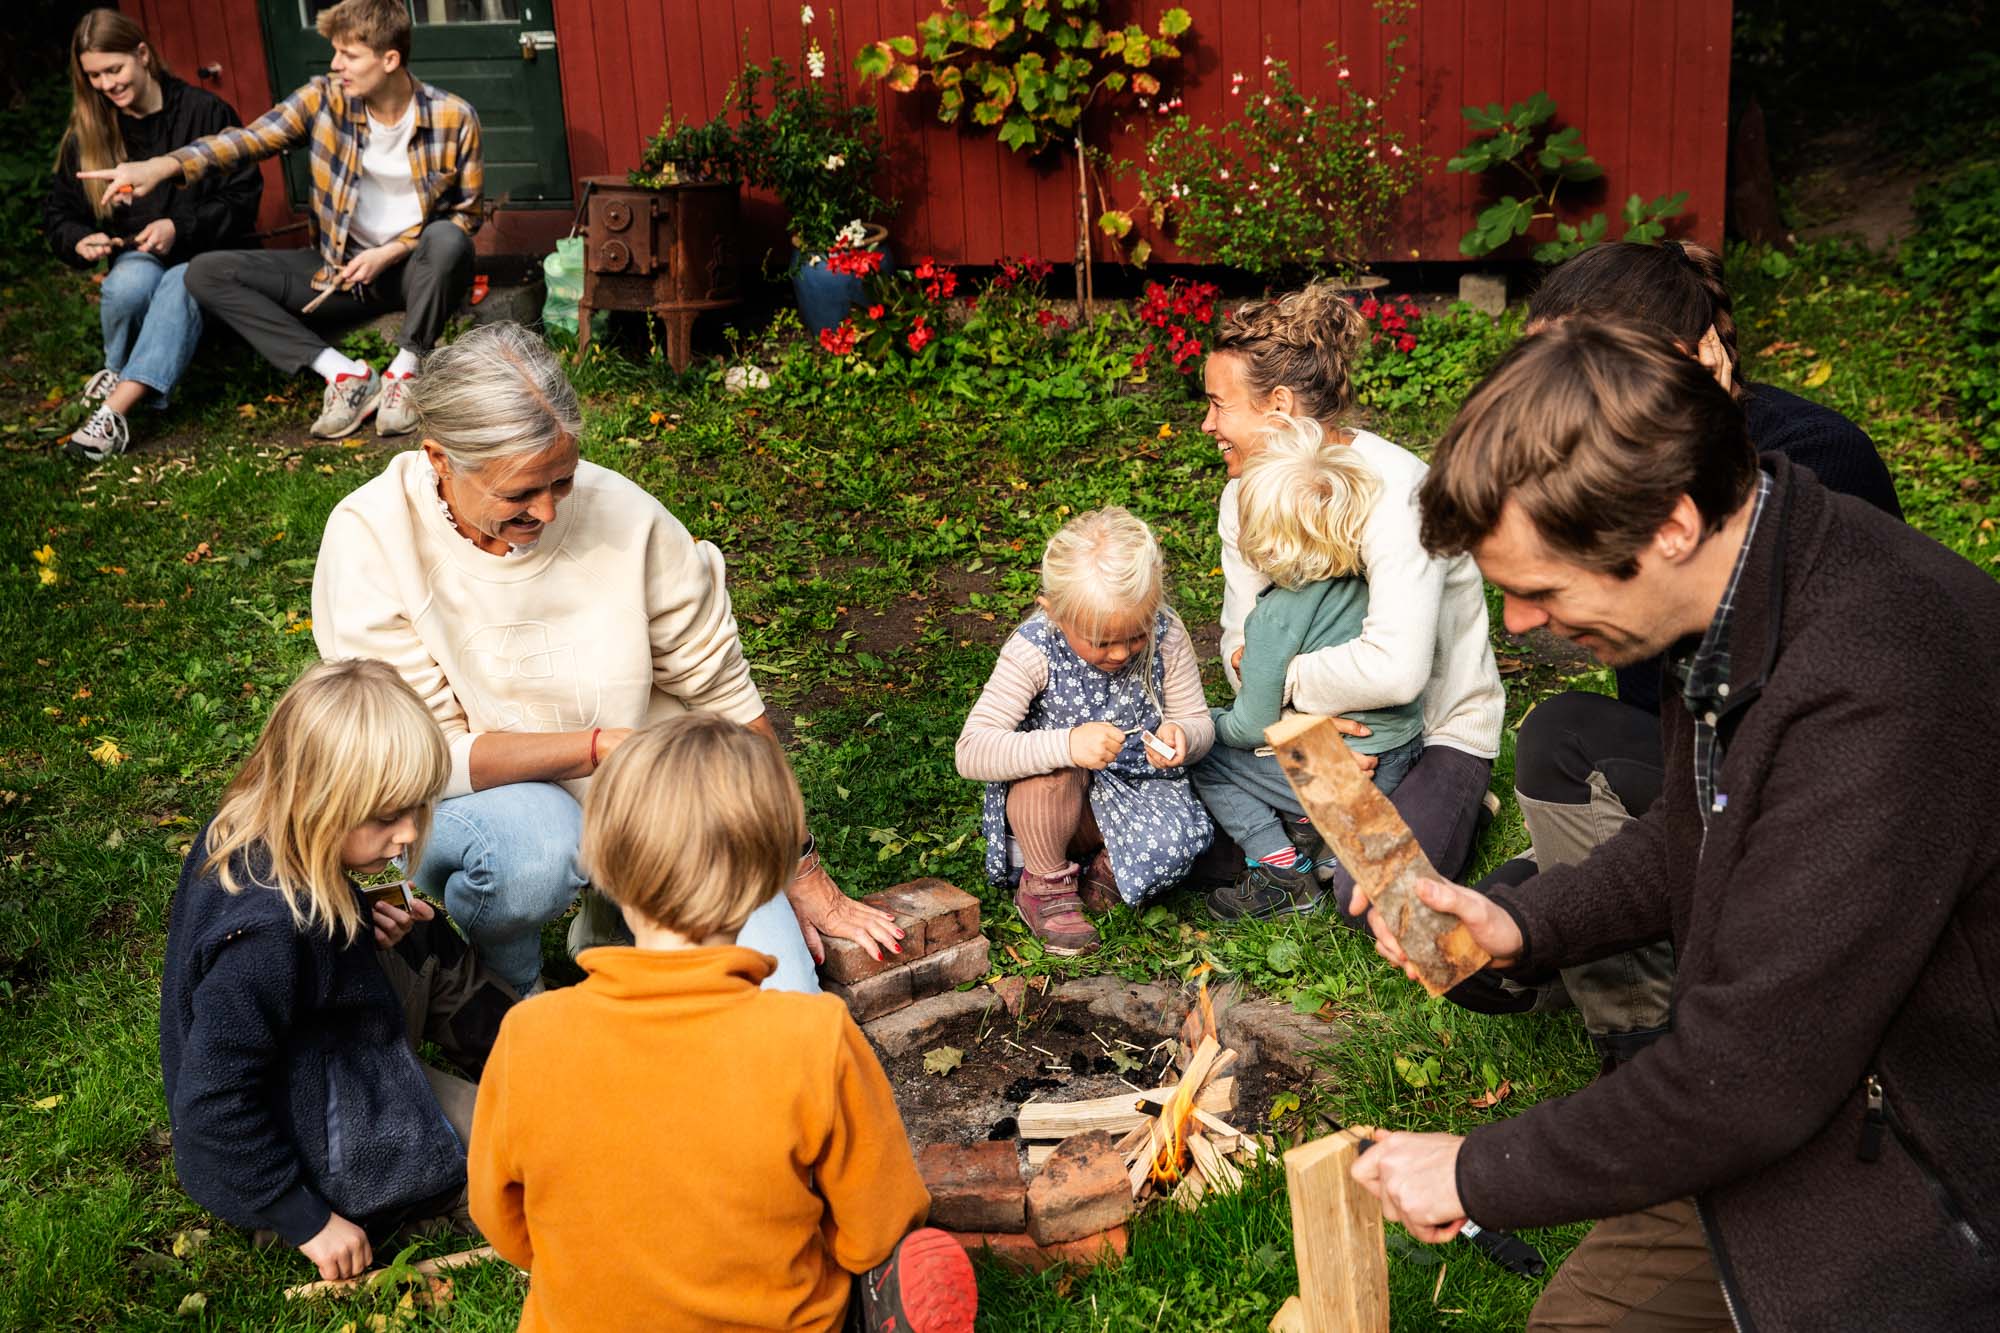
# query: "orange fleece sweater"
667,1146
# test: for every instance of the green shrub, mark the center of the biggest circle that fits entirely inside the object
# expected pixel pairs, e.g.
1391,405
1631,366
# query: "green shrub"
1419,361
1956,255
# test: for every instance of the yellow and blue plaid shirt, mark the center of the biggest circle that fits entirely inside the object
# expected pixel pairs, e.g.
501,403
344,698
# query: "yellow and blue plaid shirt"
445,159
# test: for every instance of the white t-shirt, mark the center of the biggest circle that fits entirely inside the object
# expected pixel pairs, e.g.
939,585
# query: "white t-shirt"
617,617
386,203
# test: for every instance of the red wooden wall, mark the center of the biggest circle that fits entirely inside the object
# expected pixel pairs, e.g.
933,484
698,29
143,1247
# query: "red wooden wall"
1646,81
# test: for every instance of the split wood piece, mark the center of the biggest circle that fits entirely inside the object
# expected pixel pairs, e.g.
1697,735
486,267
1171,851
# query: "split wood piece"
1119,1114
443,1263
1375,846
1213,1167
1337,1234
1040,1152
1189,1193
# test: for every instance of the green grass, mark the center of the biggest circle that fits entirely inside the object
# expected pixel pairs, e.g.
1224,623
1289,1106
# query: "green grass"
880,539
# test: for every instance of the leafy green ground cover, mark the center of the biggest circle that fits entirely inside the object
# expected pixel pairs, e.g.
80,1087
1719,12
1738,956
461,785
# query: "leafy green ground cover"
881,527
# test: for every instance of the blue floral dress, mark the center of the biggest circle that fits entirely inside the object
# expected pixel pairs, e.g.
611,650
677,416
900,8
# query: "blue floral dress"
1152,822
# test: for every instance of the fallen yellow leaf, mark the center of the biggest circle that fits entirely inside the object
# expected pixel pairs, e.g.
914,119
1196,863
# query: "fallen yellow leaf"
1821,372
48,576
45,556
1166,431
108,754
246,410
49,1103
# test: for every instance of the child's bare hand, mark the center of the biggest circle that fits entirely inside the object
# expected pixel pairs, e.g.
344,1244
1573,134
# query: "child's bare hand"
1236,660
157,238
392,923
96,246
1176,739
1095,744
340,1249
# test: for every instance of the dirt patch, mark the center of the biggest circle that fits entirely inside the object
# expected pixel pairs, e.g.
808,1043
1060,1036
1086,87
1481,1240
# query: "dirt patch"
1061,1052
1848,186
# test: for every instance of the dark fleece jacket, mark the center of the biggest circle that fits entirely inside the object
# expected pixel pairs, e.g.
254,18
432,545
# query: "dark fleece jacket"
217,212
291,1085
1841,922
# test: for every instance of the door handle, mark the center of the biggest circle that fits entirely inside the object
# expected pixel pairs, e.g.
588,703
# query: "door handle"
539,40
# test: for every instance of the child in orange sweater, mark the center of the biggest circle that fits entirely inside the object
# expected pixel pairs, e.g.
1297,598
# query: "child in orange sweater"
668,1146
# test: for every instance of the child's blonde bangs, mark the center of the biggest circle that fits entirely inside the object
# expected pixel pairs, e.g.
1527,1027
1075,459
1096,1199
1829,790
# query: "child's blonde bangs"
1302,504
348,743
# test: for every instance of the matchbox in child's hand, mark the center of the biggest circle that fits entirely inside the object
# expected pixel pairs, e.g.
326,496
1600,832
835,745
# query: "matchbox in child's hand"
393,895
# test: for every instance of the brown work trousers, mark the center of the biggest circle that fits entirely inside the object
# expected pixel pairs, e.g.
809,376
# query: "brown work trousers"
1645,1272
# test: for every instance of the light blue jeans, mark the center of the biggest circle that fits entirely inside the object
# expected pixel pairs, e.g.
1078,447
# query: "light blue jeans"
504,860
151,324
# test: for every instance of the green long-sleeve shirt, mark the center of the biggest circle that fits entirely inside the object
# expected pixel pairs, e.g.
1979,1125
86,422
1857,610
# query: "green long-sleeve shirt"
1284,623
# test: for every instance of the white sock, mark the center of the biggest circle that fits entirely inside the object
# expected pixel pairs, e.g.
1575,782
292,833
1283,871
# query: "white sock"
330,363
404,364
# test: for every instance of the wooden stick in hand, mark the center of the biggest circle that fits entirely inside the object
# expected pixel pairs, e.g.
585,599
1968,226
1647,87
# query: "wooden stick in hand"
1376,846
319,300
443,1263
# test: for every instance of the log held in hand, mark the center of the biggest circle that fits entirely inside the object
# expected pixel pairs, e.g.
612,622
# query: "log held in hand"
1375,845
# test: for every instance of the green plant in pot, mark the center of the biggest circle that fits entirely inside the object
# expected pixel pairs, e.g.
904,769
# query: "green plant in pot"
791,129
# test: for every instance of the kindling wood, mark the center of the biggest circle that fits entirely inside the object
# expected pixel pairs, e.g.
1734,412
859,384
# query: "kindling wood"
1118,1113
444,1262
1337,1234
1375,846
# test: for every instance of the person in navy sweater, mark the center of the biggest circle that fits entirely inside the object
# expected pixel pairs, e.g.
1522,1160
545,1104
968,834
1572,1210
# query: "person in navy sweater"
291,1006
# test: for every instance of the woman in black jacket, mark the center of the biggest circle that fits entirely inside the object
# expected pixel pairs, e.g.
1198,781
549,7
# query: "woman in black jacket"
127,106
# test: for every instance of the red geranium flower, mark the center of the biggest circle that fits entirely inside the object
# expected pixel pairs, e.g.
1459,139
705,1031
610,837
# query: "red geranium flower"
920,336
840,340
1406,343
874,312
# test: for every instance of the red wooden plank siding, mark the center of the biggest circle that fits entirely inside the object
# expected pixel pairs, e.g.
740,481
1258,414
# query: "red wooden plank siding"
1646,81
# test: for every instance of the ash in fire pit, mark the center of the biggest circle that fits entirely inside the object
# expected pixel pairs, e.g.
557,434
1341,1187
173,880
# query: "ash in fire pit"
1082,1041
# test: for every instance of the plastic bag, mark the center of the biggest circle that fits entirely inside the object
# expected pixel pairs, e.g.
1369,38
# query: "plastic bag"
562,272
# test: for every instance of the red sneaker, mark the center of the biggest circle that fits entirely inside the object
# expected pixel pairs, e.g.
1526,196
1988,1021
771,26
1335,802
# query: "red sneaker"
925,1286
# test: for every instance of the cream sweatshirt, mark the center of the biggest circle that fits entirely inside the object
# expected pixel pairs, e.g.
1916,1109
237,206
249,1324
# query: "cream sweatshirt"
1426,630
992,749
615,618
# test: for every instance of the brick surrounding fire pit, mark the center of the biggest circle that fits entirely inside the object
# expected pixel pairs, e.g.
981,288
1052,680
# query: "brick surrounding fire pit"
1081,1190
942,949
975,1186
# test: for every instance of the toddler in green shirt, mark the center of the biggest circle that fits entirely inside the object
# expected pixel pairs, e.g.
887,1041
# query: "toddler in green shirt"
1303,504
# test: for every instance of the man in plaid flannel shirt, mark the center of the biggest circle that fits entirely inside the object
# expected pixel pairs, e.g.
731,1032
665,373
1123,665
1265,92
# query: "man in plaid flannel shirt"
396,175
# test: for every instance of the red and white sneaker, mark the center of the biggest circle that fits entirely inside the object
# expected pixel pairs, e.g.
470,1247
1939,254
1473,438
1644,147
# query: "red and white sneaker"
350,400
397,415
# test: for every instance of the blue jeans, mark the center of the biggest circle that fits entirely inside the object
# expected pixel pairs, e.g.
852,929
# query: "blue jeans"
504,860
151,324
1249,796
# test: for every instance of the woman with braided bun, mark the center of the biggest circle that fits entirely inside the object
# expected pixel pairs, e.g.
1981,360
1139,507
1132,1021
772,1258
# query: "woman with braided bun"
1424,636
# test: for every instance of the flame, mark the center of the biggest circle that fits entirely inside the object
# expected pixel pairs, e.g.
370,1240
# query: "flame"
1170,1163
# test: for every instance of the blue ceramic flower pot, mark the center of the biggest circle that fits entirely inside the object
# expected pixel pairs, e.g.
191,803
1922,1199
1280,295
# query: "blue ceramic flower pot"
824,296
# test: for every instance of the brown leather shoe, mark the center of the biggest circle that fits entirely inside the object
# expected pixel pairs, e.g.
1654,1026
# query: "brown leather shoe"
1099,890
1050,907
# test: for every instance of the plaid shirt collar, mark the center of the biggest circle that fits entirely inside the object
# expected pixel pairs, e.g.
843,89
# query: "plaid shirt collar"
1703,673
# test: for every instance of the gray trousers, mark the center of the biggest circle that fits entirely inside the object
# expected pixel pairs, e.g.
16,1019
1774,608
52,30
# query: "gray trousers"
260,294
1586,766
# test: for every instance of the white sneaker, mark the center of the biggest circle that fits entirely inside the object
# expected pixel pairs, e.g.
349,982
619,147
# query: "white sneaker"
350,400
397,415
104,436
99,386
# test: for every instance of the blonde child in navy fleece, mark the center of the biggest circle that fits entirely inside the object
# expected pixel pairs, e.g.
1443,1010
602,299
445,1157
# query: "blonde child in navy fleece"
1060,736
290,1007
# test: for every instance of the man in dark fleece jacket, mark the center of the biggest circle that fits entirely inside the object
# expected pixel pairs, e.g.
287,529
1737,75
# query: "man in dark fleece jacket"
1812,1143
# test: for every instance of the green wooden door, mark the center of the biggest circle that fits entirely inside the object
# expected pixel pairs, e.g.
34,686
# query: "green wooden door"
499,55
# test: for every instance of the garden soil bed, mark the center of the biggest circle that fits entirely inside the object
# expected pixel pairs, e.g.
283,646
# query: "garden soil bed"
1058,1052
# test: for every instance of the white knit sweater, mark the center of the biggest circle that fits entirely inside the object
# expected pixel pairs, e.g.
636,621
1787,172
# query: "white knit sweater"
1426,629
615,618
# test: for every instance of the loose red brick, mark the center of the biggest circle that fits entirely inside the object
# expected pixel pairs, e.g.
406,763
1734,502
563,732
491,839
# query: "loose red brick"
1081,1190
874,996
975,1186
1021,1251
954,966
848,961
948,914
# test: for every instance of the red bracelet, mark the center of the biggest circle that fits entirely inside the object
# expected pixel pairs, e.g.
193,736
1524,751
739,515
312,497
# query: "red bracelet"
595,732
